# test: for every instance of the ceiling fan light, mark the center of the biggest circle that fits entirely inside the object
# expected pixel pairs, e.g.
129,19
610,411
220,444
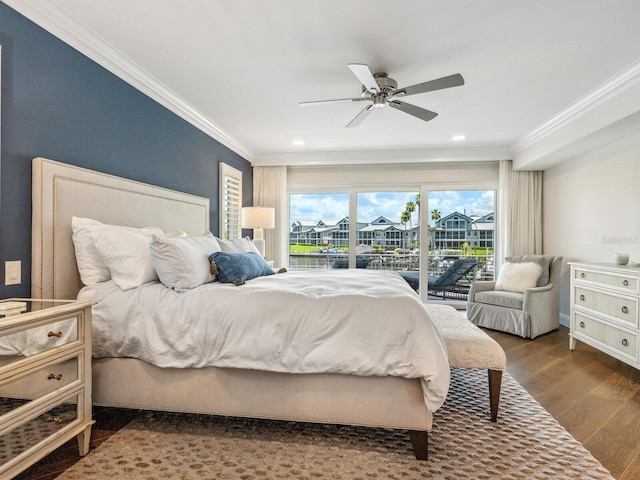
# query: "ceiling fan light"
379,102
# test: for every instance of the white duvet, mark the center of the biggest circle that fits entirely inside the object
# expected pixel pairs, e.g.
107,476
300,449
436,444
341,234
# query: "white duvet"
358,322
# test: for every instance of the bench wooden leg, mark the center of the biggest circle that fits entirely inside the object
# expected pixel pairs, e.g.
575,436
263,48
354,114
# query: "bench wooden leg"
495,380
420,442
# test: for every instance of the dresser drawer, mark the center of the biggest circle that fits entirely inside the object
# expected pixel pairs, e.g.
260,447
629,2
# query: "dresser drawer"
36,383
629,284
622,308
616,338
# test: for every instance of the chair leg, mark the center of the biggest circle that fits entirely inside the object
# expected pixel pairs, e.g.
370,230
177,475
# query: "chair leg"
495,380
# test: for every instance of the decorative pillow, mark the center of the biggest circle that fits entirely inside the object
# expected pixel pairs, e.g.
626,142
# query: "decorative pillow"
126,254
182,262
90,265
239,267
541,260
517,277
238,245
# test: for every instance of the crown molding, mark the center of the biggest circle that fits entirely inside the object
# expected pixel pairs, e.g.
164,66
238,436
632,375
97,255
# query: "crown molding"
368,157
51,18
615,86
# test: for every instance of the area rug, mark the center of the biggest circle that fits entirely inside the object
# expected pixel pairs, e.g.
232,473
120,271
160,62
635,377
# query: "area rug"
525,443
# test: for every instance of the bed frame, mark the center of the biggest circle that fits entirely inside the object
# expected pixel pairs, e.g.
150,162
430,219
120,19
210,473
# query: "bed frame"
62,191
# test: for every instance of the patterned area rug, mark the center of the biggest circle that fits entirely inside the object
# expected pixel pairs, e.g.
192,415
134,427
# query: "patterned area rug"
526,443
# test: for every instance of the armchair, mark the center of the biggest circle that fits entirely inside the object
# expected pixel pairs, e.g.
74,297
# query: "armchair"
529,313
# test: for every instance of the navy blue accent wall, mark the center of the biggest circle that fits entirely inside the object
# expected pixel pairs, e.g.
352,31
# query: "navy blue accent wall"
58,104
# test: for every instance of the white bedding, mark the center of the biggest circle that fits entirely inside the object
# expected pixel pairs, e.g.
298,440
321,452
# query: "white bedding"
358,322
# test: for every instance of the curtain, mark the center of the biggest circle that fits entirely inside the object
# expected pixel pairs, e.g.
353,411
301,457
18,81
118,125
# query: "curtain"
520,211
270,190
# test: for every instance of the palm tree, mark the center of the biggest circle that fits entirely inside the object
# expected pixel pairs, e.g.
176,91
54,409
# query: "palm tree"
410,208
404,218
435,216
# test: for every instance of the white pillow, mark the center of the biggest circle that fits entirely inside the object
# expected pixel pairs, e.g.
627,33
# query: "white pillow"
90,265
238,245
182,263
517,277
126,253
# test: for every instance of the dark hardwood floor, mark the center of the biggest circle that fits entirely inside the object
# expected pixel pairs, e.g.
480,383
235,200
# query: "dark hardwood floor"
596,398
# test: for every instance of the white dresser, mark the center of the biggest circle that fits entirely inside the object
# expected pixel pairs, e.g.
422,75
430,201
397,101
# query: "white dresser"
604,309
45,379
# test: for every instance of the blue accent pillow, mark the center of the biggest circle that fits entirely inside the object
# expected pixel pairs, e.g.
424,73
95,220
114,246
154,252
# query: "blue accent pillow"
239,267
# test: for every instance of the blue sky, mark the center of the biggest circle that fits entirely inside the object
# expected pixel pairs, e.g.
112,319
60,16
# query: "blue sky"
335,206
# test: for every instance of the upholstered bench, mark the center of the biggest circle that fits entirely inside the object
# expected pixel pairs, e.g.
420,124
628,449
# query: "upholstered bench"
469,347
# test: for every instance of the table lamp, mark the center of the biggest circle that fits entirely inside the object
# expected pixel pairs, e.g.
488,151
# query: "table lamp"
258,218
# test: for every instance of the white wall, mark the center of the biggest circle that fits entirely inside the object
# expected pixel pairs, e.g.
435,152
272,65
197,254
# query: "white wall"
591,208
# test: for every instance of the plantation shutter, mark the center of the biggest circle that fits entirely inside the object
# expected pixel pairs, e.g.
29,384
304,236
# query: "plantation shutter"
230,202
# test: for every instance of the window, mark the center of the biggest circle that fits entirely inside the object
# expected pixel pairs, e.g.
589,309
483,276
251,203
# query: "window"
230,202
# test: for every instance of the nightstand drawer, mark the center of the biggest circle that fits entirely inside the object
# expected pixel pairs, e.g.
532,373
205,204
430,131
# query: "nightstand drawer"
622,282
30,340
36,383
622,308
35,427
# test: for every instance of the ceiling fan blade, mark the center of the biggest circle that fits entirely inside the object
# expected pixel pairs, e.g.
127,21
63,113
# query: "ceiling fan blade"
360,117
363,72
323,102
417,112
437,84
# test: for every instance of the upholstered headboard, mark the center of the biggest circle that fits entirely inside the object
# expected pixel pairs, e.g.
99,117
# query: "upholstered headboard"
62,191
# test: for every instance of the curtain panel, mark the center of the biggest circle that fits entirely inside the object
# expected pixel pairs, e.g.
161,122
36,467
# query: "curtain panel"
270,190
520,207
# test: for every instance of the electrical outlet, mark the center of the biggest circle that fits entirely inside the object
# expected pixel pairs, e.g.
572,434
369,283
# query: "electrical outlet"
12,273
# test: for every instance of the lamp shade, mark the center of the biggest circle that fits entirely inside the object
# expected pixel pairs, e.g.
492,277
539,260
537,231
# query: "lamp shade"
258,217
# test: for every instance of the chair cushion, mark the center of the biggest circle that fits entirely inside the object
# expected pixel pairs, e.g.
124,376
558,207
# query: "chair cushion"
500,298
541,260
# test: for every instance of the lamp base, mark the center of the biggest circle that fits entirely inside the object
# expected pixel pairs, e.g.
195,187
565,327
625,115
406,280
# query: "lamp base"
260,245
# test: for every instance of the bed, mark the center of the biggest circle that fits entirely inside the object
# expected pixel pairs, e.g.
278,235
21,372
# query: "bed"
61,192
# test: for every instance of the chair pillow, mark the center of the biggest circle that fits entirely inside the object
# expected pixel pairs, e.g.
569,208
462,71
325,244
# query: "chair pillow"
542,260
181,261
239,267
517,277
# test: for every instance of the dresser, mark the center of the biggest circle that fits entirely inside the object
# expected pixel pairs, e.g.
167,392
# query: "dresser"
604,309
45,379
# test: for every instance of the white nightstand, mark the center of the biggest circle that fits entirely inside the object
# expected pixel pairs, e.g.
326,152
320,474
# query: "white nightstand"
45,386
270,263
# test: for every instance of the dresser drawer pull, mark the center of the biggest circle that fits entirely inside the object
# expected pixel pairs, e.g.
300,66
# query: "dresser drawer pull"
625,283
625,342
54,419
582,298
581,324
51,376
625,310
582,275
54,334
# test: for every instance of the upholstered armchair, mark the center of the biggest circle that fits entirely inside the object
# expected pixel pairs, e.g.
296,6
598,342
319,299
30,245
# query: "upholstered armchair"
524,300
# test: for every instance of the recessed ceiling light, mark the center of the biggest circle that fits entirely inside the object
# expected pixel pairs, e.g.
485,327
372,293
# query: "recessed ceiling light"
298,142
458,138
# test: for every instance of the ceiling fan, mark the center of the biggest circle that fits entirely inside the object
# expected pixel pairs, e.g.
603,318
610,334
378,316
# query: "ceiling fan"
382,91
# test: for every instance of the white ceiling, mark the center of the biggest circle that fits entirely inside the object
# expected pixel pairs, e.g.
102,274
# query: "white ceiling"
541,76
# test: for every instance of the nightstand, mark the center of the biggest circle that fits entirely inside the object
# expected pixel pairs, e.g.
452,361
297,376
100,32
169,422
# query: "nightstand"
45,379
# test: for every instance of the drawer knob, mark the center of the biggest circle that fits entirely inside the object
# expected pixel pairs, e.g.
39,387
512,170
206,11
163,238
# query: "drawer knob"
625,283
54,419
52,376
625,342
582,297
582,275
581,324
54,334
625,310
